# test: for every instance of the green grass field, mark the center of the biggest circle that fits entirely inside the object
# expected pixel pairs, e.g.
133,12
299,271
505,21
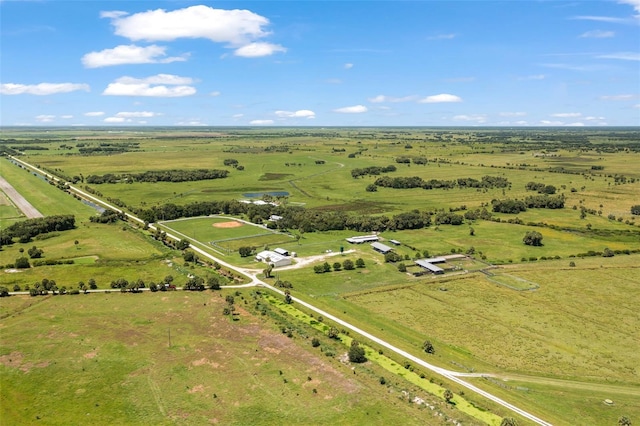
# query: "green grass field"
173,358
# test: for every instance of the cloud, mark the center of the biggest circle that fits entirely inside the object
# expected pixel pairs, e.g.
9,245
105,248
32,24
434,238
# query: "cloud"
157,79
138,114
93,114
443,97
383,98
113,14
191,123
237,116
129,54
334,81
636,106
116,120
479,118
303,113
608,19
356,109
41,89
634,3
591,118
256,50
215,94
576,124
625,56
551,123
238,29
261,122
513,114
566,114
442,37
45,118
348,66
598,34
66,117
153,86
617,97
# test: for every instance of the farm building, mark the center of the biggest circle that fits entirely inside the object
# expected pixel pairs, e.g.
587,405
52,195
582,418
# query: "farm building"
363,239
395,242
282,251
275,218
381,248
272,258
429,266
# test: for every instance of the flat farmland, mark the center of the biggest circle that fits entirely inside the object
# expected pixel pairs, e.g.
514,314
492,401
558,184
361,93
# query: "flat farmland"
208,370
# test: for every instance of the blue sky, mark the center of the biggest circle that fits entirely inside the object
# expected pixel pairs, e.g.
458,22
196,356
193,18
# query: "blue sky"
320,63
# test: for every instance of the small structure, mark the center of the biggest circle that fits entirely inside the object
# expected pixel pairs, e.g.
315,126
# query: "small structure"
272,258
363,239
381,248
275,218
282,251
395,242
429,266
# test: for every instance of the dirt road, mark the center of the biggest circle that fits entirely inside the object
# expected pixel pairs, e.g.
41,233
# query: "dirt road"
25,207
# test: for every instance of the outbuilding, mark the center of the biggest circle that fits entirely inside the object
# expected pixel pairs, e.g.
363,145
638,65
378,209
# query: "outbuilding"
363,239
381,248
282,251
272,258
430,266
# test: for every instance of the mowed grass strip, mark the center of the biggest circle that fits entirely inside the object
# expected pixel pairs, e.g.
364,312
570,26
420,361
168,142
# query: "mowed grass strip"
44,197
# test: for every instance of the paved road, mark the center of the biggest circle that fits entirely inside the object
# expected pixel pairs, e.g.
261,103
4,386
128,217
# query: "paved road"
25,207
255,281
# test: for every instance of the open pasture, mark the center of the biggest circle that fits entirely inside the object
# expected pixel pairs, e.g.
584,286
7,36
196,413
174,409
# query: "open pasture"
174,358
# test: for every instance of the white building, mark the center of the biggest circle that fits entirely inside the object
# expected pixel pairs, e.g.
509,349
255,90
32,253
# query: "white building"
272,258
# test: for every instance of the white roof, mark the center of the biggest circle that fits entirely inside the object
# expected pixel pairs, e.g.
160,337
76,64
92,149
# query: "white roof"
429,266
273,256
381,247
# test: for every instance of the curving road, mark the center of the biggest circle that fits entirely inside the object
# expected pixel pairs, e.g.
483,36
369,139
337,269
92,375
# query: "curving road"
255,281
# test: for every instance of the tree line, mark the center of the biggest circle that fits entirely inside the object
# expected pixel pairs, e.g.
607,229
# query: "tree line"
514,206
372,171
27,229
404,182
159,176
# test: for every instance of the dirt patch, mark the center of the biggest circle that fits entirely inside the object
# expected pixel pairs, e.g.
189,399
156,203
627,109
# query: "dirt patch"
196,389
16,360
205,361
230,224
91,355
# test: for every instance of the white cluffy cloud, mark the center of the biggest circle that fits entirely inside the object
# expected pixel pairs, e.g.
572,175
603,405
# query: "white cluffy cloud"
261,122
567,114
138,114
513,114
617,97
161,86
129,54
443,97
348,66
94,113
41,89
478,118
238,29
255,50
383,98
303,113
356,109
45,118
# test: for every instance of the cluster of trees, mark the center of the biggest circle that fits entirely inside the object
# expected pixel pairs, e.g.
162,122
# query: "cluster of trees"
35,253
159,176
635,210
232,162
108,148
484,182
108,216
405,182
27,229
533,238
356,352
347,265
536,201
417,182
372,171
407,160
540,187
